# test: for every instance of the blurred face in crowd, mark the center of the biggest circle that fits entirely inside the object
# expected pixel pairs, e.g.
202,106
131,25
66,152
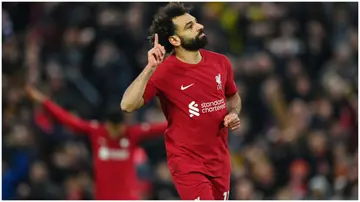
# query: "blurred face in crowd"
38,172
303,86
283,194
163,172
263,172
189,34
317,142
244,190
72,187
71,37
299,169
20,136
106,52
324,108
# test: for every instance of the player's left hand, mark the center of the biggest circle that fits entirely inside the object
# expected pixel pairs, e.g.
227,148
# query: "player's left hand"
232,121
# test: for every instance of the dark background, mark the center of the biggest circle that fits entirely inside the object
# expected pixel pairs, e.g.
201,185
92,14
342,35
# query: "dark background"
295,65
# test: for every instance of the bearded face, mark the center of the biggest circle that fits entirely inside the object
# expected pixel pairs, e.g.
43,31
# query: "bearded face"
194,44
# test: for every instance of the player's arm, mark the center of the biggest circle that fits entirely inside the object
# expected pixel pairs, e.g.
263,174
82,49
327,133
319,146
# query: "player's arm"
147,131
234,104
233,100
64,117
135,95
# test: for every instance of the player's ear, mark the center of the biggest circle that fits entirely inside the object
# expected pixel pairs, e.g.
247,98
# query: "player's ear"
175,41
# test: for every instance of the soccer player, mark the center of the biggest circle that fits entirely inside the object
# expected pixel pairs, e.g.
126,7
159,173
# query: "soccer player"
113,144
198,97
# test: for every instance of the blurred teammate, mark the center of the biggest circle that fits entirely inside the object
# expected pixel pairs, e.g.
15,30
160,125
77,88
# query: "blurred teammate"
113,145
199,99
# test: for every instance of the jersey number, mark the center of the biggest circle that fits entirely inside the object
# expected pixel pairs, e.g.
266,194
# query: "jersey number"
226,195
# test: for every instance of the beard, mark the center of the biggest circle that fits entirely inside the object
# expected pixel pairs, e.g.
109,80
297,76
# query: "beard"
195,43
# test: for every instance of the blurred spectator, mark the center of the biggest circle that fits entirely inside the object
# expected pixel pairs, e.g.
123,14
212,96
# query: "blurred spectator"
295,65
40,186
163,186
244,190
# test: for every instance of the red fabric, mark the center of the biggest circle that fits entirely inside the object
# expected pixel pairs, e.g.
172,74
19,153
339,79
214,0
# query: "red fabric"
193,99
43,122
113,158
140,156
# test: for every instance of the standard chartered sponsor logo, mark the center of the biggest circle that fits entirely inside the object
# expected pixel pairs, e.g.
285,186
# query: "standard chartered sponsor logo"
206,107
113,154
217,105
193,109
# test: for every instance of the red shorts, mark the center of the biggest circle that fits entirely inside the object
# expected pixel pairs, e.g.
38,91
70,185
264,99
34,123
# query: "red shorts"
197,186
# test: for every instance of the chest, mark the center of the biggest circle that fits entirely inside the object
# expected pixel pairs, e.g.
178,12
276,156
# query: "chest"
108,149
203,82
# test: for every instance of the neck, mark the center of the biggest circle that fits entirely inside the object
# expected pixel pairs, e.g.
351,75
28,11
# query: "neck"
115,131
190,57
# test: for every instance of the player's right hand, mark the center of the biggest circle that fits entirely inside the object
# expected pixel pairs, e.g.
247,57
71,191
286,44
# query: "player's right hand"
35,94
156,54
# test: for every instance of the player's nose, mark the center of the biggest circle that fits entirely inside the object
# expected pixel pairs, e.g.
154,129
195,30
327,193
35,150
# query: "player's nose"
199,27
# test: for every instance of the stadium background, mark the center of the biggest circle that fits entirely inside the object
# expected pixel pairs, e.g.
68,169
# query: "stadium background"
295,65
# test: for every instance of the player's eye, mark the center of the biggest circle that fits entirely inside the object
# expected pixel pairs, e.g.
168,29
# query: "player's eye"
189,25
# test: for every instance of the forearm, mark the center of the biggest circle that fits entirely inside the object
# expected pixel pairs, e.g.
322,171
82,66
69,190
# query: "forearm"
234,104
65,117
133,96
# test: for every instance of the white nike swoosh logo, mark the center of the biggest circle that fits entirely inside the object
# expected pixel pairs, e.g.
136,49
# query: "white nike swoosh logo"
186,87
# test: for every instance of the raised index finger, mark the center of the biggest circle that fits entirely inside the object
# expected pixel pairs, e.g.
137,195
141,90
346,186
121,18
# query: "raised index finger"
156,40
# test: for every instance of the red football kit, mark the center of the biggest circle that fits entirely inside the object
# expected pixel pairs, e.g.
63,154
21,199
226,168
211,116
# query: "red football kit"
193,100
115,173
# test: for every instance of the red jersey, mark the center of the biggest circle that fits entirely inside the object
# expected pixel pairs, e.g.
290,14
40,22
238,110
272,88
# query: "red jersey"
193,99
115,173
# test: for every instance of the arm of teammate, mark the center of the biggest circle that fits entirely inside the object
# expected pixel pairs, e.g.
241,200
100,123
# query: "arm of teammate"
233,100
64,117
140,89
147,131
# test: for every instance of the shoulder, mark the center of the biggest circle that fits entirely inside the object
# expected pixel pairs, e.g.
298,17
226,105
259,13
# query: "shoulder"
140,127
164,65
214,55
168,62
219,58
163,69
94,124
96,128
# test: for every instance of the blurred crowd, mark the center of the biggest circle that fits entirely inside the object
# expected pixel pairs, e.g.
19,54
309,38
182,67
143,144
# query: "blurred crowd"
295,65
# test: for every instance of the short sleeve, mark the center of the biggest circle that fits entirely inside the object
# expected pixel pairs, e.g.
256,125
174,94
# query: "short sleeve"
150,91
154,85
230,86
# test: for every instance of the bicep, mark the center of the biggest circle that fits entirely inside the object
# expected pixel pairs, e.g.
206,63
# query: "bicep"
66,118
80,126
150,92
147,131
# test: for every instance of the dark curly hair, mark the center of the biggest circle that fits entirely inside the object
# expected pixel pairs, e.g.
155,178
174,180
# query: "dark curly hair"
163,24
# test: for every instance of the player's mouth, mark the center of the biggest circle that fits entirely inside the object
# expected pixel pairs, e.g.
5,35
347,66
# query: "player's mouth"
201,34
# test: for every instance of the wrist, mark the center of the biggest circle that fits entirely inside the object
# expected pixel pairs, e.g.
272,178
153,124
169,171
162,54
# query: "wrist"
150,67
42,100
234,112
148,70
